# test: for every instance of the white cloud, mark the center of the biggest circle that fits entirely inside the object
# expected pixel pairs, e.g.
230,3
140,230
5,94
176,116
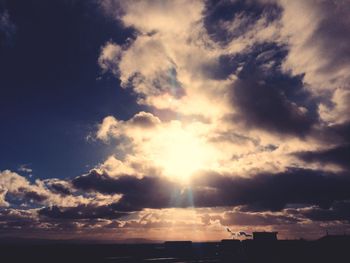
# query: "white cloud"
317,35
109,57
338,112
39,193
167,67
24,168
2,198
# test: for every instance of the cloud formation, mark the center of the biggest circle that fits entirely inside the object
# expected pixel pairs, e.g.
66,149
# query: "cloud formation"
245,123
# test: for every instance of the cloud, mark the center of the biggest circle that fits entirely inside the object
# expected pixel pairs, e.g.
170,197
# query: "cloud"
245,123
339,155
81,212
7,28
144,120
148,145
24,168
336,111
275,191
262,192
271,100
266,98
180,148
105,127
317,35
164,16
226,21
179,70
111,127
2,198
109,57
322,194
137,193
163,64
23,223
58,186
238,218
18,186
257,200
47,192
334,149
17,219
339,211
311,36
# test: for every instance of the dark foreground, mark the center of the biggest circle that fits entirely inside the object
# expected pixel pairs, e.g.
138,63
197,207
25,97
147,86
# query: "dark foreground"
323,250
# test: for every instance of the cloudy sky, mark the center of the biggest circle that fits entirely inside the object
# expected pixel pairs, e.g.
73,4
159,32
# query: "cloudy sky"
174,119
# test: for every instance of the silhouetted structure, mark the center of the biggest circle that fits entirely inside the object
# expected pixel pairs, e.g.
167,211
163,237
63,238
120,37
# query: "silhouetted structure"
230,248
335,238
265,236
331,248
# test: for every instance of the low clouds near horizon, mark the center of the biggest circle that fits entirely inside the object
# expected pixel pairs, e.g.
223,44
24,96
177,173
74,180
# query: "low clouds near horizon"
245,124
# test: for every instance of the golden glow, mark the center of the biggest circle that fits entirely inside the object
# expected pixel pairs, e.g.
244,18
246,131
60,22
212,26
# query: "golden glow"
180,151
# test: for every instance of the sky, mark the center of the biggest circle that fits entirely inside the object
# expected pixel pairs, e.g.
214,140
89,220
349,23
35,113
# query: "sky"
174,119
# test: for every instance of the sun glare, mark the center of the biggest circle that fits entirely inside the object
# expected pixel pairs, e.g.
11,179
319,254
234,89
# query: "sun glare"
181,152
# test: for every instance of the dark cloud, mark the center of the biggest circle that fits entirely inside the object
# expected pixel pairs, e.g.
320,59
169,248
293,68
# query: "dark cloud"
10,214
33,195
238,218
268,148
60,189
335,134
266,98
81,212
273,191
342,130
332,34
57,186
15,219
221,68
27,195
339,155
259,193
338,136
338,211
150,192
253,197
52,221
243,13
102,182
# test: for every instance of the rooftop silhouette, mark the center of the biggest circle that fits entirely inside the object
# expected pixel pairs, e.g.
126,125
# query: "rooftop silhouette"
263,247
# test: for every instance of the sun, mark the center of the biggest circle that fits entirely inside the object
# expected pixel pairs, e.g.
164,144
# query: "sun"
181,151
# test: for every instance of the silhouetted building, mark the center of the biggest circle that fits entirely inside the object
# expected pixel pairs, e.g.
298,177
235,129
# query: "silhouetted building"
230,243
330,248
229,249
335,238
265,236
